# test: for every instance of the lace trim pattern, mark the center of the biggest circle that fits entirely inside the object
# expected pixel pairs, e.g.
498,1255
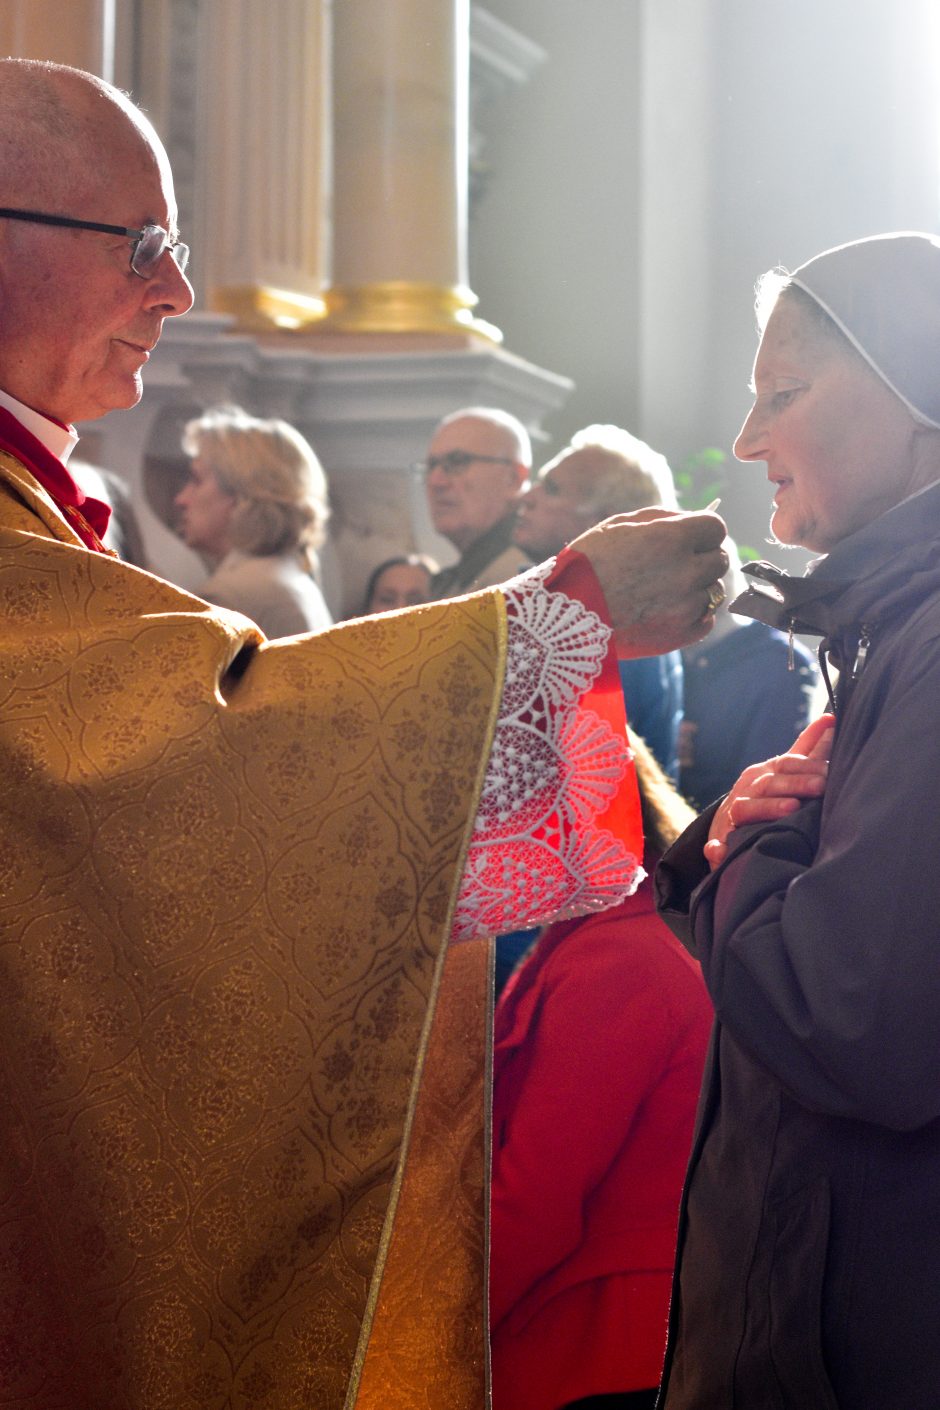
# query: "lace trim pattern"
535,855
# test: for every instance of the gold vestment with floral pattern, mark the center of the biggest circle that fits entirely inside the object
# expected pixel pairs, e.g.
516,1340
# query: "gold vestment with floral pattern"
226,883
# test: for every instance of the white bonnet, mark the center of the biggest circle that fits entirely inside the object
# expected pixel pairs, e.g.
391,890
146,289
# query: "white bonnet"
884,294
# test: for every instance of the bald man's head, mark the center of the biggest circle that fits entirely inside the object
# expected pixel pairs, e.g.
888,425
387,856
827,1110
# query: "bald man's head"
78,323
478,461
58,127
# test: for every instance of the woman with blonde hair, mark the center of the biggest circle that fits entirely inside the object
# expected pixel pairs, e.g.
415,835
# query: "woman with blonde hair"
255,506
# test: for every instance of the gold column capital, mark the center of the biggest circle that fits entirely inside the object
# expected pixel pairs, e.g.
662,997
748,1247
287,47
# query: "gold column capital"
404,306
258,308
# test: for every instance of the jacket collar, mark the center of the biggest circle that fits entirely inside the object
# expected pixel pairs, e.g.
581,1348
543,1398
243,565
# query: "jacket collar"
869,577
478,556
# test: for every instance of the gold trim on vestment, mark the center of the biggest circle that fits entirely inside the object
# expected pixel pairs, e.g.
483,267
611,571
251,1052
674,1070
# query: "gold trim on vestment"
386,1390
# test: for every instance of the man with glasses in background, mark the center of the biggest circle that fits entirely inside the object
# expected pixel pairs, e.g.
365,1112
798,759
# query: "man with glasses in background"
478,462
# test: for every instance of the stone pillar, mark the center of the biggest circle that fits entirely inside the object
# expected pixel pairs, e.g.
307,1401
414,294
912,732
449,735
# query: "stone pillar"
679,228
260,110
400,77
160,68
80,33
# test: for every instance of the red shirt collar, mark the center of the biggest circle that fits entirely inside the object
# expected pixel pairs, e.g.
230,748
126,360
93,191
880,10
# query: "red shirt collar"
55,480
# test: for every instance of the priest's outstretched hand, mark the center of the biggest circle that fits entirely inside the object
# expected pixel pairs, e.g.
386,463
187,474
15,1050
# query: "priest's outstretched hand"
660,571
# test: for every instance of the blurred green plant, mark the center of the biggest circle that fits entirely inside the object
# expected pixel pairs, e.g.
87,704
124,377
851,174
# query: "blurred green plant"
703,478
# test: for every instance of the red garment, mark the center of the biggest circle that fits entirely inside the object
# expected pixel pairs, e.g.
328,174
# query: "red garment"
574,576
600,1043
88,517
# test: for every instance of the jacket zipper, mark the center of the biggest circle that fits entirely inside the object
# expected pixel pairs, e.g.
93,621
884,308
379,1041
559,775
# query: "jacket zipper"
861,651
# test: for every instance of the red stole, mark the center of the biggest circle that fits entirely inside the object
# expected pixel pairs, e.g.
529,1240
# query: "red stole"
88,517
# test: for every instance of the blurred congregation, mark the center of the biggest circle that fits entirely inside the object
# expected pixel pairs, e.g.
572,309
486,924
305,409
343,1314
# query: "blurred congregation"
469,282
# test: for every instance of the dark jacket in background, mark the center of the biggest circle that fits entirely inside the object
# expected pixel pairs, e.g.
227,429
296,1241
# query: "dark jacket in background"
652,692
809,1241
491,559
743,703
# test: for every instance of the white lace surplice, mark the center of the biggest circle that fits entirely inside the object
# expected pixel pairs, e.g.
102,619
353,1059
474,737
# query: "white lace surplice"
537,854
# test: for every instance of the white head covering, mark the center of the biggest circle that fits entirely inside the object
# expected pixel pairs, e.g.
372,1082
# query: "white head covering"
884,294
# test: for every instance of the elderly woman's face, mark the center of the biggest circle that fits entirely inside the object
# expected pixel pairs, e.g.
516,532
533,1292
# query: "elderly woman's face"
837,442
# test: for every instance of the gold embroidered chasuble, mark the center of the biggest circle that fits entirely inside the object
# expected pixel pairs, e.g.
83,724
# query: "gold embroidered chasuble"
226,880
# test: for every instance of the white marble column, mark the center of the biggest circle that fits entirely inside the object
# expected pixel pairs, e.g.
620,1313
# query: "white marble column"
80,32
400,76
260,115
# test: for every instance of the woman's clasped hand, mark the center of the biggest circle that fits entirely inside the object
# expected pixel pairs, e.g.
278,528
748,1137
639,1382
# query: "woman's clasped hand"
771,789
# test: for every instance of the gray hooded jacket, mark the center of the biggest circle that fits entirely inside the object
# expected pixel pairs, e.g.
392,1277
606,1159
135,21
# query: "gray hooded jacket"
809,1242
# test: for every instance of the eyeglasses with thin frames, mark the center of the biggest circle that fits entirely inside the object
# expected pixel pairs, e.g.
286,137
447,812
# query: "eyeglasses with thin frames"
150,242
455,462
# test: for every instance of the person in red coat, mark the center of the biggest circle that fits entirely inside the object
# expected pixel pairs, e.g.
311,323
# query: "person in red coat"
600,1043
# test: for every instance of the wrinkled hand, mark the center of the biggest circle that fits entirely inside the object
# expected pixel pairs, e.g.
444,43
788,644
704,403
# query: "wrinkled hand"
655,567
770,790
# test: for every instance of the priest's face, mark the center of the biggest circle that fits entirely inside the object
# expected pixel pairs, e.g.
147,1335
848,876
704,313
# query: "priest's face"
78,323
839,446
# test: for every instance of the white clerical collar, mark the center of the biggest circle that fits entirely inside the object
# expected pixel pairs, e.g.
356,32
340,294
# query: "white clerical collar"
60,441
